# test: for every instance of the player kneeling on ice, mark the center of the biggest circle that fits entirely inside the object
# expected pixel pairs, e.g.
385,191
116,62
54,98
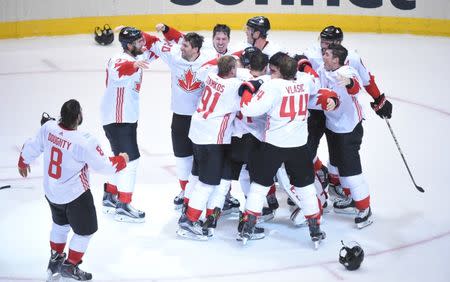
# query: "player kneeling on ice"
285,101
68,155
344,134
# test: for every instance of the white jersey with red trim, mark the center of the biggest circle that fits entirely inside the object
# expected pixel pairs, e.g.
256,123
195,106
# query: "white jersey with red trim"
349,113
120,102
244,124
286,104
212,121
314,55
187,84
68,155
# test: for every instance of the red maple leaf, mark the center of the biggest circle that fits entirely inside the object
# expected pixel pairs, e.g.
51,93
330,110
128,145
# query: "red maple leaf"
189,82
125,68
323,95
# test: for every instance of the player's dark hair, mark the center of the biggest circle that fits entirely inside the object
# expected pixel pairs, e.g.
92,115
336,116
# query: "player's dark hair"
338,51
258,61
222,28
225,65
70,111
195,39
288,68
276,58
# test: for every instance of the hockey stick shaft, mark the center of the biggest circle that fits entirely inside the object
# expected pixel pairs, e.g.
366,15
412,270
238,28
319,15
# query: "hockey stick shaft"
420,189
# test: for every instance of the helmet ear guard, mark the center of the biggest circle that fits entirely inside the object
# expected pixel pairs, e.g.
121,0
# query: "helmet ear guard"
104,36
351,256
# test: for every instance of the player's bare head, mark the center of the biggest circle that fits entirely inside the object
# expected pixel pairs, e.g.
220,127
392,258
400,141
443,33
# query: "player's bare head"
275,61
221,38
338,51
71,115
227,66
191,45
288,68
259,61
330,34
131,40
194,39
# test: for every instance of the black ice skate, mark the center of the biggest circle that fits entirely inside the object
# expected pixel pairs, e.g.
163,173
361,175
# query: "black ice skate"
127,213
109,202
364,218
179,200
190,230
54,265
266,215
345,206
322,175
247,229
314,231
71,271
336,192
231,205
272,201
211,223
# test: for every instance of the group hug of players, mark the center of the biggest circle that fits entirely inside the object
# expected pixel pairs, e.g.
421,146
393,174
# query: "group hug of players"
257,115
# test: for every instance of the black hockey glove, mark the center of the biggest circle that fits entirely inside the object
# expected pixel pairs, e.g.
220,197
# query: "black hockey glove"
252,86
302,62
382,107
45,117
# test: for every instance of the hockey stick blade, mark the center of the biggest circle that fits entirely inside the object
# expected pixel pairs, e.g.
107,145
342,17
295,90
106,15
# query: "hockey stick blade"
5,187
420,189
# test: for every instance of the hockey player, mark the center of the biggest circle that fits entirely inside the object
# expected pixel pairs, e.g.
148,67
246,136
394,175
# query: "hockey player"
344,133
220,39
284,99
184,61
68,155
256,33
210,133
120,114
316,120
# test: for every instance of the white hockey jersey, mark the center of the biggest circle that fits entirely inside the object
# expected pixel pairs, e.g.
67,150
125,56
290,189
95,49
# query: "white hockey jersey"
286,103
68,155
244,124
314,55
212,121
349,113
185,83
120,102
270,49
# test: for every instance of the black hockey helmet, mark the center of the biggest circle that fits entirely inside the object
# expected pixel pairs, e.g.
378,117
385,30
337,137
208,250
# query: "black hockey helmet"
259,23
332,33
128,35
104,36
247,54
351,256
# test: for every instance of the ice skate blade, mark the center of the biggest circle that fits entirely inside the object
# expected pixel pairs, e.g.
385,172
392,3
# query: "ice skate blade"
52,277
109,210
244,241
265,218
230,211
210,232
366,223
189,235
349,211
124,218
316,245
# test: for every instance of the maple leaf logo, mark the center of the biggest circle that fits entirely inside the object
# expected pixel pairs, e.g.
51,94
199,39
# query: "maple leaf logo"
189,82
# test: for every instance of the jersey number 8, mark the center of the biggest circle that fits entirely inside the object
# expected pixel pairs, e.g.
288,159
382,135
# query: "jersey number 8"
54,167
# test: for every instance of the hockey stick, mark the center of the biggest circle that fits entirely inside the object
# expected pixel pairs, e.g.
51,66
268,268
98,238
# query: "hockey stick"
420,189
14,186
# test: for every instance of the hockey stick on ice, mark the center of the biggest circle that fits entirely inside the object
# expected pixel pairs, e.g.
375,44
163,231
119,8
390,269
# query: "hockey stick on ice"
15,186
420,189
